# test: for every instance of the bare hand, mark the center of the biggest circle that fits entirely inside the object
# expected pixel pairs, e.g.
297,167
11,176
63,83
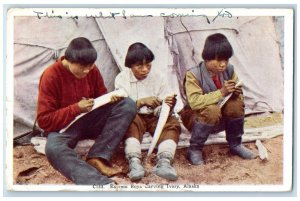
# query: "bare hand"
228,87
171,100
237,91
86,105
152,102
115,98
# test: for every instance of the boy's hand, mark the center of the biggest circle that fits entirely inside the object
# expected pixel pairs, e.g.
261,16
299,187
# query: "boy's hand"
237,91
152,102
115,98
86,105
171,100
228,87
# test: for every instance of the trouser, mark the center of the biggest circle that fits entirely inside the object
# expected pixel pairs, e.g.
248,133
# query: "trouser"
107,125
212,119
143,123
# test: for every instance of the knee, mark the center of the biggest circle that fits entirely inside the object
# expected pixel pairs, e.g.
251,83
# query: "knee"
234,108
171,130
137,121
128,107
188,117
173,124
136,128
52,148
210,115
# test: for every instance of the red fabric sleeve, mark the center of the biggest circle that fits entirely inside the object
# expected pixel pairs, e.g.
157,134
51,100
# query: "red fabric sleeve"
50,116
99,86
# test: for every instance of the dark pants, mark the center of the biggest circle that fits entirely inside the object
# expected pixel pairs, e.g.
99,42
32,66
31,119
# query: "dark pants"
107,125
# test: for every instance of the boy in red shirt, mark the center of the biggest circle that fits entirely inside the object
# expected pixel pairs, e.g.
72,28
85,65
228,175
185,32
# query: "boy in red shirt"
68,88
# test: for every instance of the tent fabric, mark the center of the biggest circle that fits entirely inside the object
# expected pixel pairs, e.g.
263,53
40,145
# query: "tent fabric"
256,55
177,44
120,33
37,44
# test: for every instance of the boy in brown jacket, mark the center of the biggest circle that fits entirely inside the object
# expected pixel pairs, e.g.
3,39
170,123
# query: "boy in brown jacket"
206,85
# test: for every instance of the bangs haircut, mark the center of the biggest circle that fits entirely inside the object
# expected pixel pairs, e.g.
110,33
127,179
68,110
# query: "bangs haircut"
138,53
217,47
81,51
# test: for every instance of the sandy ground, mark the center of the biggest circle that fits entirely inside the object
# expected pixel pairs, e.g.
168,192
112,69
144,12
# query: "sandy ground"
221,167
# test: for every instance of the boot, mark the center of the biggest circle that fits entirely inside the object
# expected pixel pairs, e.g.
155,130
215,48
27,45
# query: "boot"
165,156
200,133
164,169
103,167
133,154
234,130
195,156
136,170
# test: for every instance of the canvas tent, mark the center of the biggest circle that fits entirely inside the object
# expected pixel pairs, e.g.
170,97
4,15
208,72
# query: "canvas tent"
177,43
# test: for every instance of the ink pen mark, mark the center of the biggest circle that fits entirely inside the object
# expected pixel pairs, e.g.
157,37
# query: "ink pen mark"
38,14
114,14
51,15
223,14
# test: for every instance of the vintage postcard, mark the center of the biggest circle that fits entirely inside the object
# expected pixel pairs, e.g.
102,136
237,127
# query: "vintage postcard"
261,55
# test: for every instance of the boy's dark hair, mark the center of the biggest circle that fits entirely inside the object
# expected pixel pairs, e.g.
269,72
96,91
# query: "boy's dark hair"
81,51
138,53
218,47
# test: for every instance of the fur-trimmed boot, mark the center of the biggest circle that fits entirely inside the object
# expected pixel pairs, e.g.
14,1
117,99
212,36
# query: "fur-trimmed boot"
234,129
133,155
165,156
200,133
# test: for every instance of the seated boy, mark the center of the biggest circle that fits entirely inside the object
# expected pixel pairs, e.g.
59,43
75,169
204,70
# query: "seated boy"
206,85
68,88
148,90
